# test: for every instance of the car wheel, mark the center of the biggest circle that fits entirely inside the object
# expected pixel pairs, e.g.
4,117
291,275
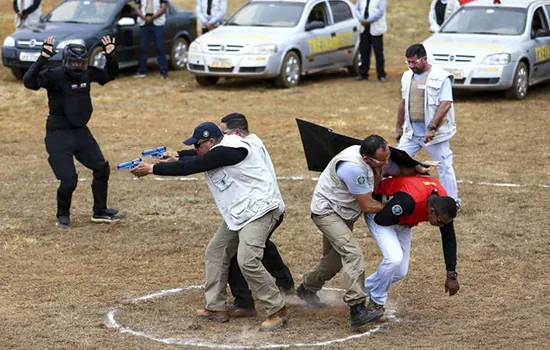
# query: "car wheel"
521,83
353,70
18,73
97,57
206,81
290,71
178,56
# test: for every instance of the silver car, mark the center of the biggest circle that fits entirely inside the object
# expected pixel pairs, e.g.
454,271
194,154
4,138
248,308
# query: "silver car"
492,46
278,39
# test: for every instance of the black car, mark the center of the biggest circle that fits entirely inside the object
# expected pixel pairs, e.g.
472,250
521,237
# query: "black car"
85,22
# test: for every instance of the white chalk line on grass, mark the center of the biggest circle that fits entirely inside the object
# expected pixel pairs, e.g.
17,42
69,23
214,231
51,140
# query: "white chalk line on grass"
113,324
289,178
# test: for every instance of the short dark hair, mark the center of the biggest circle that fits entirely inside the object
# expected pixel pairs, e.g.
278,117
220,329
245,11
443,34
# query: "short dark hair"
371,144
417,50
443,205
235,121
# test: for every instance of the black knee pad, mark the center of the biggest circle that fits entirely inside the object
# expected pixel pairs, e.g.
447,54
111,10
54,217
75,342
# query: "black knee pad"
103,172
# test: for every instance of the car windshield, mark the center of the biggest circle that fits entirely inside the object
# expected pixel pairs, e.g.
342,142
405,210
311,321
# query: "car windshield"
268,14
487,20
83,11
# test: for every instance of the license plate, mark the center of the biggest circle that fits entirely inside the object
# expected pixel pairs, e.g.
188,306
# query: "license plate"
29,56
457,73
220,63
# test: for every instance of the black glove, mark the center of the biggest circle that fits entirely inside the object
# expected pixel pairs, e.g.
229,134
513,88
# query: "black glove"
48,50
109,46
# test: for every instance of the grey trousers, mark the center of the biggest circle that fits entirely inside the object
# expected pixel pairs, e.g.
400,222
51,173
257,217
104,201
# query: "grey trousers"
248,243
341,251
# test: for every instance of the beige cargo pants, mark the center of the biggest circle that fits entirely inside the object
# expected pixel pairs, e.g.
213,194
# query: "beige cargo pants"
249,244
341,251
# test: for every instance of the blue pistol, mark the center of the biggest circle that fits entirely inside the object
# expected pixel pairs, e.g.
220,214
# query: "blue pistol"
154,152
129,164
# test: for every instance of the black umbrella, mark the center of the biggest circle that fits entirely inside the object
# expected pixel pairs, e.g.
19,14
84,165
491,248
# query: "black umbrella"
321,144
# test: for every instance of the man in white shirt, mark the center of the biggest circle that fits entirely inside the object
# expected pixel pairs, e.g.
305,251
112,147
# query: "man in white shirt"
210,13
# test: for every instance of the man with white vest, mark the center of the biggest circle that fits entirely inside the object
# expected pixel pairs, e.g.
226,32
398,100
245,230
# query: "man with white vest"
440,11
151,19
26,12
425,117
246,195
343,193
372,15
210,13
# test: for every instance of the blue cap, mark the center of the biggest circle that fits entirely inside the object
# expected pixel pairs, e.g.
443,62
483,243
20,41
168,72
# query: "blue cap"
204,131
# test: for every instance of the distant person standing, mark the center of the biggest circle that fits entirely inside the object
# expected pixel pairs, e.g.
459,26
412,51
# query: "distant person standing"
372,15
151,19
26,12
440,11
210,13
426,117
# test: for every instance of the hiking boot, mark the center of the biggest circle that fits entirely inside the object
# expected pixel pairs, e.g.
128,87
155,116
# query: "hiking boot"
216,316
104,217
240,312
63,222
309,297
275,321
372,306
359,315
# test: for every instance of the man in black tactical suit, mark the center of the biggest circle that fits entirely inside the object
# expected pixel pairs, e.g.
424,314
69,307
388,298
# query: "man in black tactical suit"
67,135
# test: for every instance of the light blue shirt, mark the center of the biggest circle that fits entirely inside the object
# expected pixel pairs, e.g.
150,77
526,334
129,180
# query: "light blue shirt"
419,128
354,177
378,12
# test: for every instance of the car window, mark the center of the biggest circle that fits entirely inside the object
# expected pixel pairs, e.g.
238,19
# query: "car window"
83,11
318,13
487,20
539,25
268,14
340,11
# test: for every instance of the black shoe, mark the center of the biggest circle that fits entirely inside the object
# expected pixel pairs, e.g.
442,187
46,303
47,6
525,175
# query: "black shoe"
287,291
359,315
63,222
361,78
309,297
104,217
111,212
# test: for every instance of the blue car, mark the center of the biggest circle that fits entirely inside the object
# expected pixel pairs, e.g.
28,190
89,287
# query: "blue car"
85,22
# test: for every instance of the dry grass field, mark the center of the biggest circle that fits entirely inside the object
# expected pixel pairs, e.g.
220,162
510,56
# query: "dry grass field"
56,287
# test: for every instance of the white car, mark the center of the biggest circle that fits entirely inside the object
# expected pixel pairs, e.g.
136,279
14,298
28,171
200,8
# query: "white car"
278,39
492,46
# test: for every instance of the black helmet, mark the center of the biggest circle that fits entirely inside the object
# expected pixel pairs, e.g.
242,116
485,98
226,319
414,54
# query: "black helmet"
75,59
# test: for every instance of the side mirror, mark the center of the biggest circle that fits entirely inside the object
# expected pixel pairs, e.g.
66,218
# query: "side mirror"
126,21
314,25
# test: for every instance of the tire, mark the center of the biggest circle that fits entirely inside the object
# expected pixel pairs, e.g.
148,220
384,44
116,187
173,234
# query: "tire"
290,71
353,70
18,73
178,54
519,88
206,81
97,57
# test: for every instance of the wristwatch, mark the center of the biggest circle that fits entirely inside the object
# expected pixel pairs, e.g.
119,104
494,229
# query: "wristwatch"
452,275
432,127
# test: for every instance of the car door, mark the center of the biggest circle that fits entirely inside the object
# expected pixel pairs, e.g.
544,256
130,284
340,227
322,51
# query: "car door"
540,37
344,33
317,42
127,35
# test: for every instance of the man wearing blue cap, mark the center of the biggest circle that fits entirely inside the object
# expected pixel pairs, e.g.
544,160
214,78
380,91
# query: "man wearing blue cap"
246,196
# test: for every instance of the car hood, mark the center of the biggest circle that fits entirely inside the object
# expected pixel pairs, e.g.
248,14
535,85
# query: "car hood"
246,36
60,31
468,44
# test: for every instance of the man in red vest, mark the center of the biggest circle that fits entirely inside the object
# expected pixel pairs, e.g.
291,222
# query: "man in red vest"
409,200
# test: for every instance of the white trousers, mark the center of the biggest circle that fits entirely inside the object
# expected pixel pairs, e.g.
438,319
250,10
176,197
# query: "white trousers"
394,243
440,152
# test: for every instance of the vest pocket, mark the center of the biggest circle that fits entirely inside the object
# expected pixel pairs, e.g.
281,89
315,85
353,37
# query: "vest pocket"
243,210
220,179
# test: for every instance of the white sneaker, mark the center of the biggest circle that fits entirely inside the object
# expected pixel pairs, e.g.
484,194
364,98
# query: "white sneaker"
139,75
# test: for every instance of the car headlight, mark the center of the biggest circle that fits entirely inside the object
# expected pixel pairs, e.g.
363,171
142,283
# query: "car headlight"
195,47
264,49
499,58
9,41
64,43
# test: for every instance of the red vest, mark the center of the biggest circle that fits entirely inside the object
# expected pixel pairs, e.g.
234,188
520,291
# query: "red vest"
419,188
